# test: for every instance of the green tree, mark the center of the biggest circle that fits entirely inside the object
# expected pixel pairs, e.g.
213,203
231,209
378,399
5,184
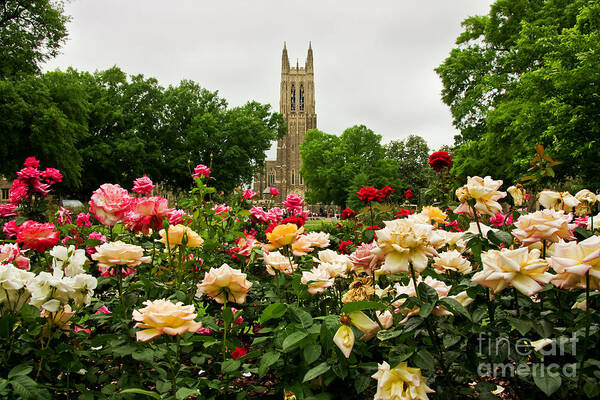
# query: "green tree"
412,158
526,74
45,117
31,32
334,168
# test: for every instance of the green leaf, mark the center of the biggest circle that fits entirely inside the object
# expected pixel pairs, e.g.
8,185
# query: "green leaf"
267,361
146,355
361,383
184,393
426,309
455,307
24,386
141,391
499,237
362,305
547,381
292,340
387,334
302,317
312,353
273,311
316,371
522,325
424,360
19,370
230,365
227,316
427,293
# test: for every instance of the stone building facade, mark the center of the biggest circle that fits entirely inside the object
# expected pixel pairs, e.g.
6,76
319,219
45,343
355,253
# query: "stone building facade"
297,104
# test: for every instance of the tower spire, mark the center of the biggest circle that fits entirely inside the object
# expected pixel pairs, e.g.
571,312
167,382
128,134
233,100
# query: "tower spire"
285,61
309,58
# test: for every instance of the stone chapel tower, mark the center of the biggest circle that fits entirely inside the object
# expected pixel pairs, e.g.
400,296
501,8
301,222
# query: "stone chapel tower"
297,104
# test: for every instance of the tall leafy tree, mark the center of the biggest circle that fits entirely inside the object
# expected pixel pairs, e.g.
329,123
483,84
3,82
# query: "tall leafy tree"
31,32
412,157
526,74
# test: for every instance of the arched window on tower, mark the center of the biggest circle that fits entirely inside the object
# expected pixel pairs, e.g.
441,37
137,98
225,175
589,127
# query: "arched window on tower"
301,97
293,178
272,178
300,179
293,98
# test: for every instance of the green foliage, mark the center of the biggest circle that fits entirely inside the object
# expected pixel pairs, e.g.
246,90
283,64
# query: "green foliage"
526,74
31,32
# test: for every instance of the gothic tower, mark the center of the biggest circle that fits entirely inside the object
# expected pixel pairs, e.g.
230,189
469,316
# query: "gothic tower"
297,104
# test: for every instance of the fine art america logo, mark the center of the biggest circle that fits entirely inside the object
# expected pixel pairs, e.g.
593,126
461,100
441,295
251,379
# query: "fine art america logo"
504,350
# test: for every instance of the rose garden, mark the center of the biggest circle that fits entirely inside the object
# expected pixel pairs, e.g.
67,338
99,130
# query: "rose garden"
470,272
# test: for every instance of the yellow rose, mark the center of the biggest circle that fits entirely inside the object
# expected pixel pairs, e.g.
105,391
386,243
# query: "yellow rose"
434,214
225,284
176,234
162,316
400,382
283,235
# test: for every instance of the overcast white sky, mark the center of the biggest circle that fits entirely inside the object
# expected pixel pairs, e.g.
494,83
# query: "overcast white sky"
374,60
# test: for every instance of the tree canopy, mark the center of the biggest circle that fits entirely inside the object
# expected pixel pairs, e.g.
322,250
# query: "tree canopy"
109,127
336,167
31,32
525,74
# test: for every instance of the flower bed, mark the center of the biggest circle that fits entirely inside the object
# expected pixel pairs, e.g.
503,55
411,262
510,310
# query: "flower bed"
231,300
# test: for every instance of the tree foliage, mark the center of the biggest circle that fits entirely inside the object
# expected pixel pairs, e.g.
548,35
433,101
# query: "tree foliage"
31,32
110,127
412,158
335,168
526,74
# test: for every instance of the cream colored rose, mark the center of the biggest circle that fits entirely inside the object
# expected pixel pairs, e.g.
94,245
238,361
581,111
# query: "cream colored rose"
317,279
586,200
301,246
386,318
317,239
344,340
452,261
409,289
276,261
518,194
400,382
485,193
176,236
572,260
118,253
454,240
550,199
162,316
225,284
522,269
403,241
548,225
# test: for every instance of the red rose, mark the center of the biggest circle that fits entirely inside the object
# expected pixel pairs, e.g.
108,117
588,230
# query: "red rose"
348,213
36,236
344,244
408,194
386,192
439,160
239,352
297,220
404,212
368,194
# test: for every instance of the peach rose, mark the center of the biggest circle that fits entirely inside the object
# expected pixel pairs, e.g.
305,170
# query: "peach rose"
318,239
176,233
225,284
277,261
317,279
484,191
283,235
162,316
110,203
572,260
452,261
118,253
543,225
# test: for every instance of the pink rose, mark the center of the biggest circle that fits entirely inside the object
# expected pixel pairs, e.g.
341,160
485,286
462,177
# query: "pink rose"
36,236
363,260
497,220
97,236
31,162
83,220
259,215
8,210
143,185
147,213
41,188
64,216
275,215
222,208
201,170
293,203
11,254
10,229
103,310
109,204
248,194
273,191
29,174
81,329
52,175
19,190
178,217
